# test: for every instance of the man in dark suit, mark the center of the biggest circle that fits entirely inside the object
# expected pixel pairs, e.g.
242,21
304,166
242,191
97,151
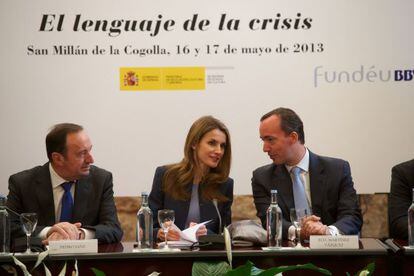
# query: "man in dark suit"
400,199
72,198
304,180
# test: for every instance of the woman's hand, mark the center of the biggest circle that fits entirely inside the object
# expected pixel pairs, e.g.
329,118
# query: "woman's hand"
202,231
173,235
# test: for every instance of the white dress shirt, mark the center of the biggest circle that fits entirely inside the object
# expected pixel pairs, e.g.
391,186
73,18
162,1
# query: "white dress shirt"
304,175
58,192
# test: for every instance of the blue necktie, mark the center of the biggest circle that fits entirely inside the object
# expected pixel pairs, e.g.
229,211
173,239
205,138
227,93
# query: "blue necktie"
67,203
299,191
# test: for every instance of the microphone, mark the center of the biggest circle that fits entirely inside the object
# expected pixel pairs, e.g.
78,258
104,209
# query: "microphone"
219,216
3,200
213,241
20,243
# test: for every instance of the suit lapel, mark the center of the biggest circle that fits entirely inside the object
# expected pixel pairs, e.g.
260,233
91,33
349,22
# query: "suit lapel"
317,183
205,210
181,208
283,184
208,212
82,191
44,194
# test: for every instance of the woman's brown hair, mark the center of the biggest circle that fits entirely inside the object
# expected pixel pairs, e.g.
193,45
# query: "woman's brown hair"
178,176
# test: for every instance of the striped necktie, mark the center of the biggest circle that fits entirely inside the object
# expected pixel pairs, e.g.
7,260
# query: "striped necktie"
299,194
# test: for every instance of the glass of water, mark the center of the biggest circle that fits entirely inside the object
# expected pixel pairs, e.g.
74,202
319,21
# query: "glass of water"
29,222
166,219
296,217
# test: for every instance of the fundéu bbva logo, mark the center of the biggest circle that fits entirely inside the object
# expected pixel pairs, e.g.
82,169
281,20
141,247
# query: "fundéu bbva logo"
369,74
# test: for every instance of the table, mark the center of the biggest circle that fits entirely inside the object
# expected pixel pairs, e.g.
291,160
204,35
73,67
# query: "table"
403,258
119,259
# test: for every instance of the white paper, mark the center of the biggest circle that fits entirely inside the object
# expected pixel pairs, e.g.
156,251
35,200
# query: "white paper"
187,236
155,250
177,244
285,248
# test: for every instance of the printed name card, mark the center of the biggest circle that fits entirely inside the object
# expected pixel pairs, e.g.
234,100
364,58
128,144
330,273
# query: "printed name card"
73,246
334,242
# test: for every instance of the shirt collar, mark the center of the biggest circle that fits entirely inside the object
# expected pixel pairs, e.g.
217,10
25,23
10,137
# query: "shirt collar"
56,179
303,164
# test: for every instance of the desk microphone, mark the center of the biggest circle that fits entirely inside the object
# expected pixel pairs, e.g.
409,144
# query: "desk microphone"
3,200
213,241
20,243
219,216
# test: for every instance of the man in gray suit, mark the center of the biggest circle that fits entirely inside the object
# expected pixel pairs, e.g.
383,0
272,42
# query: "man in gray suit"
72,198
304,180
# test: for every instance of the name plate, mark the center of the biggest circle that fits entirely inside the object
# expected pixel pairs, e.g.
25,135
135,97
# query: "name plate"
73,246
334,242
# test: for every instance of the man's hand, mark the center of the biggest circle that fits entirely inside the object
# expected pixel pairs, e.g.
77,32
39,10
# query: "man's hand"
313,226
55,236
202,231
66,230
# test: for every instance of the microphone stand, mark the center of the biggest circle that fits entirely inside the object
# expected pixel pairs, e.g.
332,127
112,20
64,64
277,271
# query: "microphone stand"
10,210
213,241
219,216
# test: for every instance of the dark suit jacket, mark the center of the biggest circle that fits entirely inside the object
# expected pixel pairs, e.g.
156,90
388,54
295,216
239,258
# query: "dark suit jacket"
400,199
31,191
158,200
333,195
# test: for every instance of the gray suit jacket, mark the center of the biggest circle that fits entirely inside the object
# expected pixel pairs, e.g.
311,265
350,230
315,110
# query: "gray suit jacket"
333,195
94,207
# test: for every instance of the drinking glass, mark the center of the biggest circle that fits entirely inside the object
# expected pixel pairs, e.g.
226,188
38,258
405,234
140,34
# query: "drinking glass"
29,222
166,220
296,217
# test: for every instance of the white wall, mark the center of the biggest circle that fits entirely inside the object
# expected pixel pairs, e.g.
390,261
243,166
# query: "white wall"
368,123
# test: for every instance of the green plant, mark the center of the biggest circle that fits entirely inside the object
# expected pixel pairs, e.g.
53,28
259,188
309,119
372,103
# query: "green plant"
250,269
223,269
368,270
98,272
210,268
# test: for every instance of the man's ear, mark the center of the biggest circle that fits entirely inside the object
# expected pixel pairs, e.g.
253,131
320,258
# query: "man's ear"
57,158
293,137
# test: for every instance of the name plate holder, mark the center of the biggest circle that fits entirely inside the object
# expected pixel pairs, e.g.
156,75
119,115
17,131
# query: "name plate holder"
334,242
73,247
